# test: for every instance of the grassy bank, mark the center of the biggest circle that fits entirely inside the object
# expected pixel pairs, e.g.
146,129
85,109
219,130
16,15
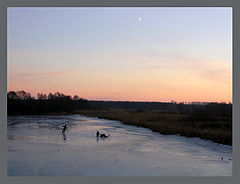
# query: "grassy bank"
218,130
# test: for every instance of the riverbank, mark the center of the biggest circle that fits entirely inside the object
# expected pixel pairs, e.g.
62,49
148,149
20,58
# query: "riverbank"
169,123
36,144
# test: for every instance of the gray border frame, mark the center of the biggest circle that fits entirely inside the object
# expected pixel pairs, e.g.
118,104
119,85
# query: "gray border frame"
235,4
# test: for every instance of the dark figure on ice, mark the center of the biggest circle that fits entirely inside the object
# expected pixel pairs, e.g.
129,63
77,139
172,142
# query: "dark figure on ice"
101,135
97,134
64,137
64,128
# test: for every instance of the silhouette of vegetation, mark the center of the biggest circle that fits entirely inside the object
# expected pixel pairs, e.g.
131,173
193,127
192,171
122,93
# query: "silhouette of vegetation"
212,121
23,103
163,106
211,112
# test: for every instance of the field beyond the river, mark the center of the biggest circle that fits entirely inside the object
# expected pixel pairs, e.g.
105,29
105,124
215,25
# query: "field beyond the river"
218,130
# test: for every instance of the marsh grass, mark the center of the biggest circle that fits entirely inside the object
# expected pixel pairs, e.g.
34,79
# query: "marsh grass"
219,129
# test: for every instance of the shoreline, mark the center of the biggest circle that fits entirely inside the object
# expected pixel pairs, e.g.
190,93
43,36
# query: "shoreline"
166,123
36,143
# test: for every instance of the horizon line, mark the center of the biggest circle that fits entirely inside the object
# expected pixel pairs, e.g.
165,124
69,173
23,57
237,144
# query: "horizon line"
170,101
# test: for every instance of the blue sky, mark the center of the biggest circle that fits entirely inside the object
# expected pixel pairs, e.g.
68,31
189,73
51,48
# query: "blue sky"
51,44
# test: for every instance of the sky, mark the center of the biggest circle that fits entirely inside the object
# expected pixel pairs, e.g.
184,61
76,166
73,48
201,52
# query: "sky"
135,54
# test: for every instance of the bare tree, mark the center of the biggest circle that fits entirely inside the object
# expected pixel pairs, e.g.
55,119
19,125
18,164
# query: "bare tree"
50,96
12,95
23,95
41,96
76,97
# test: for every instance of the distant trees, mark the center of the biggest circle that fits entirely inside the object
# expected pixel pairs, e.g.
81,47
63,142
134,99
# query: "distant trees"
50,96
20,95
12,95
76,97
21,102
197,109
24,95
41,96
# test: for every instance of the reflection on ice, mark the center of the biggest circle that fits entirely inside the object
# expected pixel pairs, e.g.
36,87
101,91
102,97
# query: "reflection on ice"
36,146
64,137
102,138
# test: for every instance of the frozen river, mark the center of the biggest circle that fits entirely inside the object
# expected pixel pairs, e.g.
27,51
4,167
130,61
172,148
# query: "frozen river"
36,146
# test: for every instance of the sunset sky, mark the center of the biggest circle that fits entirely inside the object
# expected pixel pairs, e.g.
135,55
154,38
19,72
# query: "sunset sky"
136,54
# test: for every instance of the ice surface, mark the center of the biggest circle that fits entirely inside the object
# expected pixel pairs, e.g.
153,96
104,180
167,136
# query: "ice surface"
36,146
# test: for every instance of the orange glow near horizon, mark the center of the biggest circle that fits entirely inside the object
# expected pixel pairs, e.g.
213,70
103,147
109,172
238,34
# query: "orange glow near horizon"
186,84
173,54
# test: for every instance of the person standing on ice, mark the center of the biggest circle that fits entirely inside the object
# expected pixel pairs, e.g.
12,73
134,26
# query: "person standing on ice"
64,128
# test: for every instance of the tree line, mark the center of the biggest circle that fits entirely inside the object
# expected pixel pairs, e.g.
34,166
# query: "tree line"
22,102
211,111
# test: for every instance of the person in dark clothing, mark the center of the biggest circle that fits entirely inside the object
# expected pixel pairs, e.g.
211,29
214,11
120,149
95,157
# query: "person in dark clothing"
97,134
64,128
